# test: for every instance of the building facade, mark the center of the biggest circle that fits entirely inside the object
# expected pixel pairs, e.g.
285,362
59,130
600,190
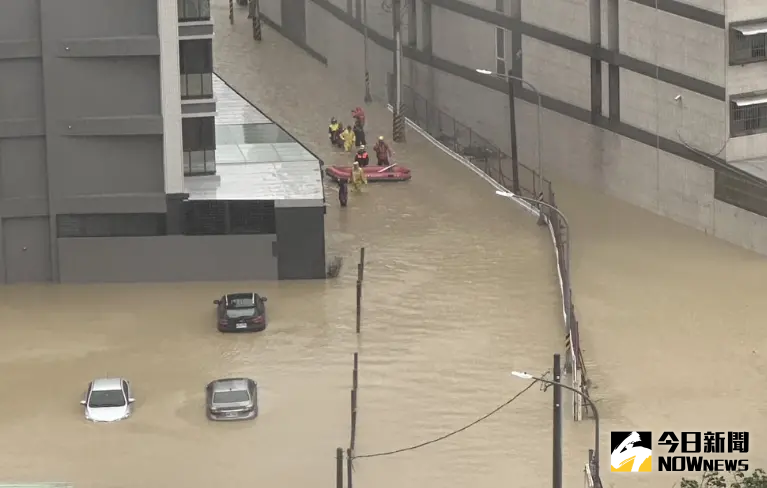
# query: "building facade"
661,103
105,108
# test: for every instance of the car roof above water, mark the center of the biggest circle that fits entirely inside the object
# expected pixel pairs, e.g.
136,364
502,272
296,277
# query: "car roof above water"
102,384
241,296
228,384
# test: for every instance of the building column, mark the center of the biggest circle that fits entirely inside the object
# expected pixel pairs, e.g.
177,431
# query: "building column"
167,28
595,23
517,57
614,71
427,46
2,254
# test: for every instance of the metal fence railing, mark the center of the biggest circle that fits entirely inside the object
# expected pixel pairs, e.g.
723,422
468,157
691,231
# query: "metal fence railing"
464,141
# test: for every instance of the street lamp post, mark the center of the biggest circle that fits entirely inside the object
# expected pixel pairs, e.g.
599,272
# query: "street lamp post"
528,376
554,209
513,126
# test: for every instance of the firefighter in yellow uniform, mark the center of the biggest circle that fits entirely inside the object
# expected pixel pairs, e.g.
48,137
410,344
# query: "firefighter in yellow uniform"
358,177
348,137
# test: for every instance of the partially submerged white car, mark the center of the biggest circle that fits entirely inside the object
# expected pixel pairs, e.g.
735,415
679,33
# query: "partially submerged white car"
108,400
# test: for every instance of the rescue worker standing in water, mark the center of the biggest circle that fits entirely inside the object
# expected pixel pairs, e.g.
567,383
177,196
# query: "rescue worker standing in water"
358,177
383,153
343,192
348,137
362,157
359,115
359,134
334,131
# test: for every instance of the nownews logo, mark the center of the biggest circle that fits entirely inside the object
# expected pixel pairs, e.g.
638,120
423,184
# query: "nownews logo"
632,451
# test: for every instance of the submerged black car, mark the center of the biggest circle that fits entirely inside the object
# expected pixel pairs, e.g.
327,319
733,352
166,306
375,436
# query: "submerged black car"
238,312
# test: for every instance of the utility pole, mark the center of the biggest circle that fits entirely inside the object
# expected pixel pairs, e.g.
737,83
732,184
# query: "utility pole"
513,130
398,129
368,96
557,461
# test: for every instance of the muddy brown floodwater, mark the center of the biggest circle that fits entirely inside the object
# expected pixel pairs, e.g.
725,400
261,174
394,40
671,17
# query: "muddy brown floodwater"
460,289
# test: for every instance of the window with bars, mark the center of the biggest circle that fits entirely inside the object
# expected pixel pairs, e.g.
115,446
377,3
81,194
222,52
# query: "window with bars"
193,10
111,225
748,116
196,68
229,217
199,143
748,43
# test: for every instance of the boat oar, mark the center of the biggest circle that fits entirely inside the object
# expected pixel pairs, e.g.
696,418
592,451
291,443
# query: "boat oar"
386,168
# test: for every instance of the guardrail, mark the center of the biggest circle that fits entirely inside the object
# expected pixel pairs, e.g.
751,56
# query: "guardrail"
463,141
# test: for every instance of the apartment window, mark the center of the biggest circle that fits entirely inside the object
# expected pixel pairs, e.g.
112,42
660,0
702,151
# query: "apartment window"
748,43
196,68
500,51
229,218
191,10
111,225
499,7
199,142
748,115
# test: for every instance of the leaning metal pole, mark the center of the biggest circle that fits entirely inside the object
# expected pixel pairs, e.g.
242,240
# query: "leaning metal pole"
368,96
398,129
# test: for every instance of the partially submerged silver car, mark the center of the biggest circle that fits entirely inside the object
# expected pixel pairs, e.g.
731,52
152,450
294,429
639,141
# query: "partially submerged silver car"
232,399
108,400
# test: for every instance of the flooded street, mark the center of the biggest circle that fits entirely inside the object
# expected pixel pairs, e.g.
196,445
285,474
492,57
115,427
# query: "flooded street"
460,289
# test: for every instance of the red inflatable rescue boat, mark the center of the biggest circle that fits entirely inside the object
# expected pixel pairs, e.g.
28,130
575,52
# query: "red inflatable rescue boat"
392,173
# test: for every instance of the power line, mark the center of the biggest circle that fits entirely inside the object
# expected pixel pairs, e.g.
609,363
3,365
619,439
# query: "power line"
465,427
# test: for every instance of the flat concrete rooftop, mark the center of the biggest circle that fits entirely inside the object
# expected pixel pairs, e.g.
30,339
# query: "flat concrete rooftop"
256,159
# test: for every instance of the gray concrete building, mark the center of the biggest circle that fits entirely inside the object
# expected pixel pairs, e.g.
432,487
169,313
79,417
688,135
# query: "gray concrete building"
107,115
662,103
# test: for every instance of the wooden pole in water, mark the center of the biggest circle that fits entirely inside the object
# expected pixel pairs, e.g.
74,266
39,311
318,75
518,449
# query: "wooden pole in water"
339,468
231,12
359,299
353,438
349,468
360,278
355,372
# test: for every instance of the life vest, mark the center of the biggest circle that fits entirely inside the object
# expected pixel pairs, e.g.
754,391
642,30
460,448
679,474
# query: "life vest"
334,127
362,155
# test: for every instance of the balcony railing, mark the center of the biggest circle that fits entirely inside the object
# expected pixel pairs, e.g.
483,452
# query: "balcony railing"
198,163
199,85
193,10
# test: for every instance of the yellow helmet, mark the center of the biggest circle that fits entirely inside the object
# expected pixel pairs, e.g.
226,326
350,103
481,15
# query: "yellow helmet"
380,138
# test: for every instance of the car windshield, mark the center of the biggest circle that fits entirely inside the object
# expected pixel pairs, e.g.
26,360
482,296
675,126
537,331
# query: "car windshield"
241,302
233,396
240,312
106,398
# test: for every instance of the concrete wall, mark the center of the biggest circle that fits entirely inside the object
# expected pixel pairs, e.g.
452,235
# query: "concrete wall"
81,127
300,242
168,258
